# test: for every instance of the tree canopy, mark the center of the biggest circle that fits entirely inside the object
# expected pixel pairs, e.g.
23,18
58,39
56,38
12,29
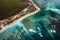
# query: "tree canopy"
11,7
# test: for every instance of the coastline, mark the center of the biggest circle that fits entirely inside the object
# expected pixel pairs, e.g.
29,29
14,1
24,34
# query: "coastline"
20,19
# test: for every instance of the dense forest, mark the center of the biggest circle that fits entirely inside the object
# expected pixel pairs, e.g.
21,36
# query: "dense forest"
11,7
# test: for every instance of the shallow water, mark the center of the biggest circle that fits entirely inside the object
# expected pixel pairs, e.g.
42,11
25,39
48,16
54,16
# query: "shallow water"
44,25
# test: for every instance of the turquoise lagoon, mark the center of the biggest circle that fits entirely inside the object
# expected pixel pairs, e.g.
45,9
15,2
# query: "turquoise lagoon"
44,25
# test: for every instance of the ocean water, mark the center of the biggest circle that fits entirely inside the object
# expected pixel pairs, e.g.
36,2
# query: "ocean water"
45,22
47,17
44,25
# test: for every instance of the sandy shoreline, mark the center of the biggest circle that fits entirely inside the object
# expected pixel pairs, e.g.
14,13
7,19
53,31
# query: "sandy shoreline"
20,19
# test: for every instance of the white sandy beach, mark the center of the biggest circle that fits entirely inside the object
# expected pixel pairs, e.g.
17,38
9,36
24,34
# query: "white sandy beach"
20,19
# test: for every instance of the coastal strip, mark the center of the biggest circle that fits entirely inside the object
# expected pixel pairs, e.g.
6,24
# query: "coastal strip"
20,19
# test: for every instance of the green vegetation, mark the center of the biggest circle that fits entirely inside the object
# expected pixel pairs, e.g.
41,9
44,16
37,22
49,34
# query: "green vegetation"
11,7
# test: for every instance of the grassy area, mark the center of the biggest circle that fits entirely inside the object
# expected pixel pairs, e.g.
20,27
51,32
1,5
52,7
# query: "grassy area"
11,7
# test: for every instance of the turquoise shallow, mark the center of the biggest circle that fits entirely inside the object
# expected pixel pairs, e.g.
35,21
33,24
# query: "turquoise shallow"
44,25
